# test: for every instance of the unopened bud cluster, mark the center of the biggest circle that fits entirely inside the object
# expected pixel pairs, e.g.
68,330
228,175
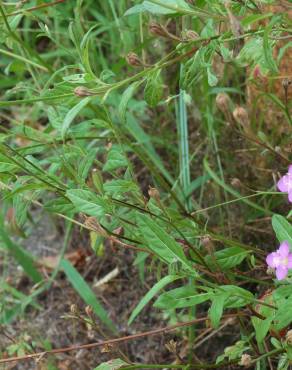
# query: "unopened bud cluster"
133,60
82,91
191,35
156,29
241,116
223,103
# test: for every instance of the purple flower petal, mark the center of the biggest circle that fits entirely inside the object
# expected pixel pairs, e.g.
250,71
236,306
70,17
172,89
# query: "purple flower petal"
290,169
284,249
283,184
290,196
289,261
271,259
281,272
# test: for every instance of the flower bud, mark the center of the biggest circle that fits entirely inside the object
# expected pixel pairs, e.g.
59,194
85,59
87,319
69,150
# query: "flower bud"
206,240
191,35
133,60
208,244
157,29
245,360
241,116
257,74
223,103
119,230
82,91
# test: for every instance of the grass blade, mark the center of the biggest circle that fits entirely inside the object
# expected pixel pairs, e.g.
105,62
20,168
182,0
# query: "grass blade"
22,257
86,293
150,294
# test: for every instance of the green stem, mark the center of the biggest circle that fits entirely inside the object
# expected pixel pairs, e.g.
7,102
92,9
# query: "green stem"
268,354
23,59
35,100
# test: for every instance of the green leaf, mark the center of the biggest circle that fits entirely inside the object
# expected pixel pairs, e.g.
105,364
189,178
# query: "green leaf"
70,116
127,95
166,6
6,165
282,228
59,205
254,18
212,79
87,202
154,89
86,163
25,260
268,51
162,244
216,309
237,296
182,297
261,327
229,257
114,364
86,293
115,159
283,316
154,290
114,187
136,9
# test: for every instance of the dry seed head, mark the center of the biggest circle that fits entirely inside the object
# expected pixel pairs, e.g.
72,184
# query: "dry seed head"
289,337
154,193
171,346
235,182
286,83
234,22
133,60
270,271
82,91
241,116
278,149
73,309
89,311
245,360
107,348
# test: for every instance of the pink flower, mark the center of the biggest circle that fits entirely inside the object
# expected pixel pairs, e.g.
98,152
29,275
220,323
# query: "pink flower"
281,260
285,183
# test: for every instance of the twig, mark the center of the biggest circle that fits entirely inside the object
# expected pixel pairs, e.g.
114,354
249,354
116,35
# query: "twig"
115,340
45,5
